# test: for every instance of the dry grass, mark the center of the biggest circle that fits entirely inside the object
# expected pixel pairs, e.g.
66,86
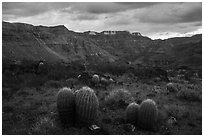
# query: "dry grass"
189,95
118,98
29,107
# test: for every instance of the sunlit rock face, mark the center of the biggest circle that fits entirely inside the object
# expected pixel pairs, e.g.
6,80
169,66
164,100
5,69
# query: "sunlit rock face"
136,34
92,33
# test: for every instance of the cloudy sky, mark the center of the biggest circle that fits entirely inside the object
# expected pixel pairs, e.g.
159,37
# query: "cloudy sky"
152,19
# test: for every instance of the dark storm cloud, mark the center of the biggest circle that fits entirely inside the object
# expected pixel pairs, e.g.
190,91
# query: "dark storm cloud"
154,12
116,7
145,17
98,8
23,9
194,15
26,9
172,13
138,4
111,7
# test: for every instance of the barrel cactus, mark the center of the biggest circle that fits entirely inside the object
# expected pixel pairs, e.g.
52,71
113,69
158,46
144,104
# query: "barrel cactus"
104,81
66,105
95,79
111,80
148,114
86,106
132,111
171,87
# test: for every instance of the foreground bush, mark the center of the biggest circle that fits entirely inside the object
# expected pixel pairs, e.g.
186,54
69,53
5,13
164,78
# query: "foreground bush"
189,95
118,99
44,126
172,87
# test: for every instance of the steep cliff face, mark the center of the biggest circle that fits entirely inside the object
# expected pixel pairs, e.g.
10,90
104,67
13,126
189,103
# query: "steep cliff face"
48,43
189,54
185,40
54,44
121,44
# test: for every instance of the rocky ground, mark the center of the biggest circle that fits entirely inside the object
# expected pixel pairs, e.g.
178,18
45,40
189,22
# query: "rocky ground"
29,106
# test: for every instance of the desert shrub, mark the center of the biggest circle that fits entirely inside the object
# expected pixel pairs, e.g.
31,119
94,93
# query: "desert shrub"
53,83
7,93
44,126
189,95
56,72
172,87
43,109
71,82
37,81
59,71
29,66
8,108
119,98
162,117
22,93
115,68
13,81
176,111
26,92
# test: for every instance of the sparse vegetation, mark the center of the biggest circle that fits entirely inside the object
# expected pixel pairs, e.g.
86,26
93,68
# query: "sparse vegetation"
38,61
29,104
189,95
118,98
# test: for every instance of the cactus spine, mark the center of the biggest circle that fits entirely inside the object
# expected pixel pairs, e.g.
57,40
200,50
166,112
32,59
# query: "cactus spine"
86,106
132,111
66,105
148,114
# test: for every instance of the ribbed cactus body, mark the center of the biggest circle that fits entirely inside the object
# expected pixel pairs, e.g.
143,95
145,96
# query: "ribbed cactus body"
86,106
66,106
132,111
148,114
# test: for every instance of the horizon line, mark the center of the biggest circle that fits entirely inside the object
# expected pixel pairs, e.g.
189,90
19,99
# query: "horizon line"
188,35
